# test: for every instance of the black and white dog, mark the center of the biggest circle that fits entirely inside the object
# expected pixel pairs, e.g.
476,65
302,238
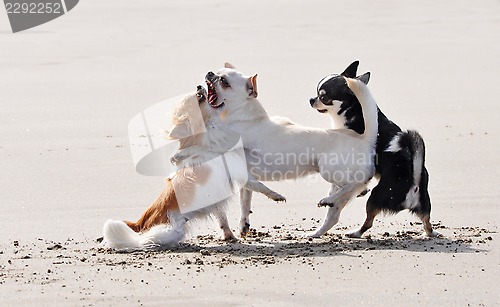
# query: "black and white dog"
400,168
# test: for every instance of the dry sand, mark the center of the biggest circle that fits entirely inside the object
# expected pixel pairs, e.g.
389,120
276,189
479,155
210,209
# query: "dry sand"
68,89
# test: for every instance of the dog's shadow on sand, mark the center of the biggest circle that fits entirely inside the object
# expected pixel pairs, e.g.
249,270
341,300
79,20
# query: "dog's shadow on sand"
334,245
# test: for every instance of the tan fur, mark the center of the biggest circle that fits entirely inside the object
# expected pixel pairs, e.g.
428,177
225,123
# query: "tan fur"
157,213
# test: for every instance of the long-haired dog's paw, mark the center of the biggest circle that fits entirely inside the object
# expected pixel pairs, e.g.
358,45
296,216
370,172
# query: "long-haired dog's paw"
174,160
178,158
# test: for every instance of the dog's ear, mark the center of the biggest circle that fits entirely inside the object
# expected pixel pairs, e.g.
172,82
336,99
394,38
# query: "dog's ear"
364,78
350,71
178,132
229,65
252,86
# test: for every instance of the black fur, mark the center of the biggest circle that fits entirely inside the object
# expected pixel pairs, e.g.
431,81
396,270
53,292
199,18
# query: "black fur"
394,169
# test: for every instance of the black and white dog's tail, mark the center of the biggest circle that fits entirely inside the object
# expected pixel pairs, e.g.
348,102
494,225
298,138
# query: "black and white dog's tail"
413,141
411,145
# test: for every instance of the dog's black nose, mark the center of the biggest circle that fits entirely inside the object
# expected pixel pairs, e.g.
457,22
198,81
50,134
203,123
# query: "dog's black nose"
210,75
312,101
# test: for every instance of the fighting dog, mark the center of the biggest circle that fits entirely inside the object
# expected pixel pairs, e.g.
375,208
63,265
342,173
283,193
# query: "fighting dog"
277,149
400,163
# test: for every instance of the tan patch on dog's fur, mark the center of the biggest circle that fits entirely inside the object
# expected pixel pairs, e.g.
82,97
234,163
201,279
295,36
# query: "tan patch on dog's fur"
223,115
157,213
183,180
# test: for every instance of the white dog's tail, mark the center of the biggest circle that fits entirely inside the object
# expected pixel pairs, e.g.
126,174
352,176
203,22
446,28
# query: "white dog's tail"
368,106
119,236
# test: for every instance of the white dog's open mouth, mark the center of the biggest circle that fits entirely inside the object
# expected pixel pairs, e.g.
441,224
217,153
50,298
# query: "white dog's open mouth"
212,95
322,110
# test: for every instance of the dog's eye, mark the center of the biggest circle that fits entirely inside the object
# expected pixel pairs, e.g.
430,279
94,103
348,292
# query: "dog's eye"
224,82
323,98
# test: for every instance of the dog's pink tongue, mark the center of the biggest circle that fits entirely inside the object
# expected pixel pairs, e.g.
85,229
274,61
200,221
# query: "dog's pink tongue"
212,97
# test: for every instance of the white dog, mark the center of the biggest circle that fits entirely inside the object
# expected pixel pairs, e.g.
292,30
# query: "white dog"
277,149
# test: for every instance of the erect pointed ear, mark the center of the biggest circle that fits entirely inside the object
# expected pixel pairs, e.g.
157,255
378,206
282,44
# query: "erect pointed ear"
364,78
252,86
179,132
229,65
350,71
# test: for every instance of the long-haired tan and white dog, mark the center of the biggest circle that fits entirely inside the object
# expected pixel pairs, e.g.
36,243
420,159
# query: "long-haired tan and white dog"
164,224
277,149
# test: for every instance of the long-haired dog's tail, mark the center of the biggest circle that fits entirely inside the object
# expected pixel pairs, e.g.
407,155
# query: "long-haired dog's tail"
412,148
412,142
119,236
158,212
417,200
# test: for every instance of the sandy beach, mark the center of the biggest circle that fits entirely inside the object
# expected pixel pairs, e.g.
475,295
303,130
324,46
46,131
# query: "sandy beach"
70,87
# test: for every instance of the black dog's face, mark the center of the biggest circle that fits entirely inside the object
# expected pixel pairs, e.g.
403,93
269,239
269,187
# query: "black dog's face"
333,94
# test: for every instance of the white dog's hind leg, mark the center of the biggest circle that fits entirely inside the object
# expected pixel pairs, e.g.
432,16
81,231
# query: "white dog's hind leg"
246,203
